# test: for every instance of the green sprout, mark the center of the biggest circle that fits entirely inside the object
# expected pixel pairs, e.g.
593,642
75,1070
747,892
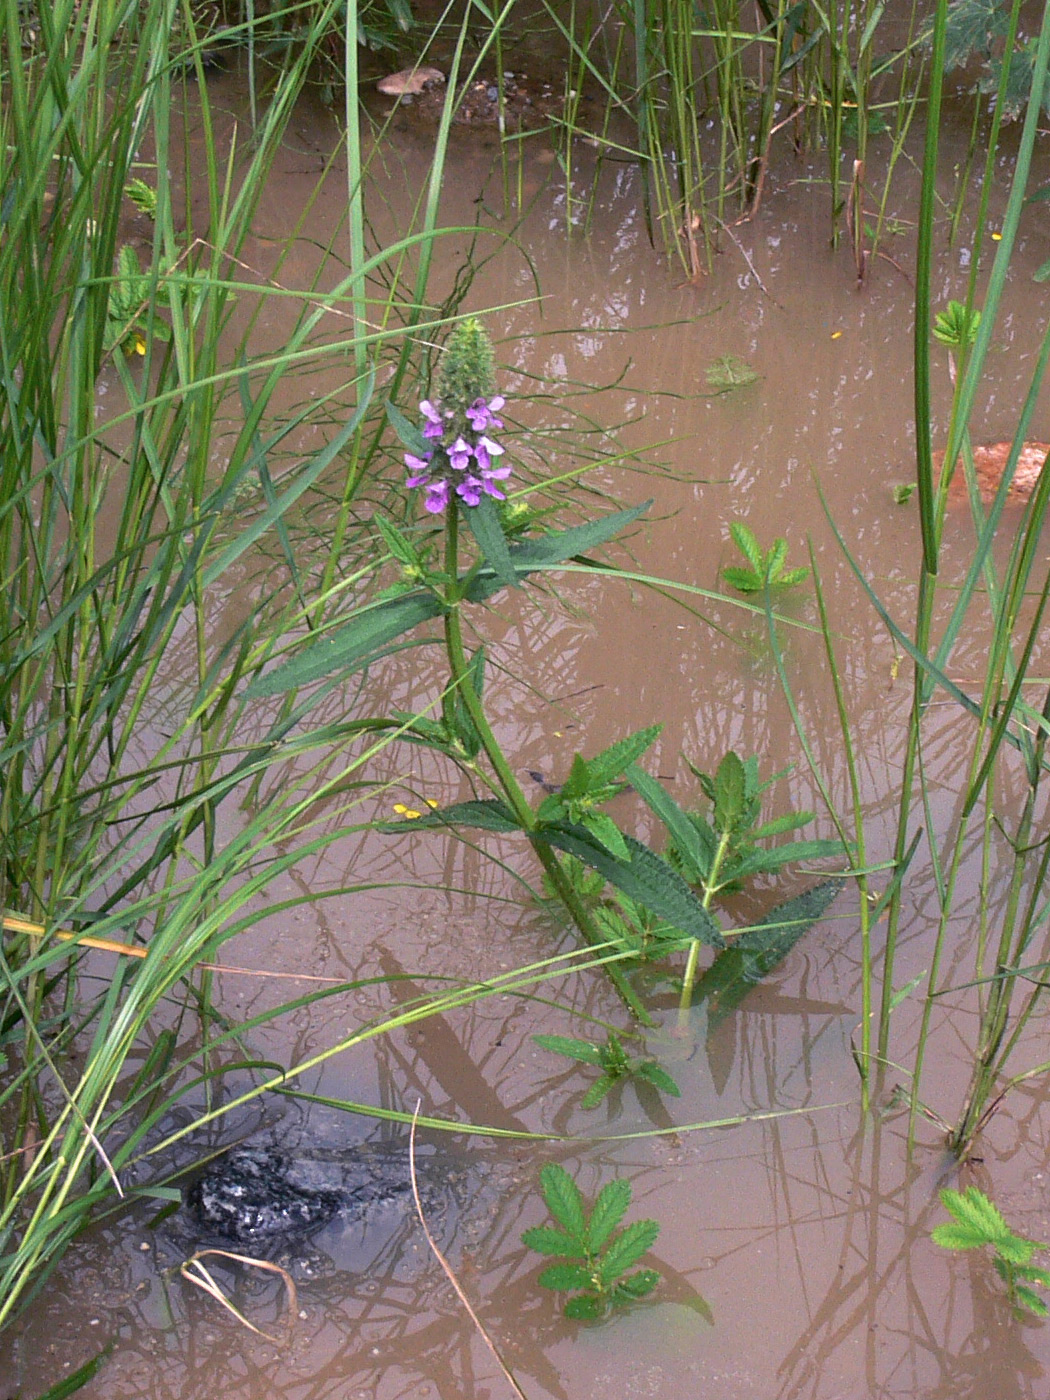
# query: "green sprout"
978,1222
613,1061
596,1256
956,326
764,569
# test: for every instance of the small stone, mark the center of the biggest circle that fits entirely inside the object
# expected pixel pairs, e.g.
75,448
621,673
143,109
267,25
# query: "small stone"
409,81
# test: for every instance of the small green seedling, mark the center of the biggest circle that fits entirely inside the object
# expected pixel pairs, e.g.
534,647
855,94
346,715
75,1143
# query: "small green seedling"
729,372
596,1258
978,1222
903,492
613,1061
763,568
955,326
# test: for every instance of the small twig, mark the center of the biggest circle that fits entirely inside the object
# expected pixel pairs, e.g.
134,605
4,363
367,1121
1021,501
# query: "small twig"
194,1272
747,258
447,1266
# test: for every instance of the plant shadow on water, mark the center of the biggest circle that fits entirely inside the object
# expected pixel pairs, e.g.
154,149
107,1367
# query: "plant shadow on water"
811,1230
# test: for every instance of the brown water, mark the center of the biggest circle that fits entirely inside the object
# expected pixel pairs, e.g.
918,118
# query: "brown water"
795,1249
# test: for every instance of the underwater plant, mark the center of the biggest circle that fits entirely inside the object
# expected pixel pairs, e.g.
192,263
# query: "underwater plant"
978,1223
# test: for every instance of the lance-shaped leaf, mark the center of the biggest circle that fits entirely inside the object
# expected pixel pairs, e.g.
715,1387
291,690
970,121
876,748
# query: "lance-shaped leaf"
490,814
609,1209
563,1199
409,433
756,953
485,526
645,878
353,647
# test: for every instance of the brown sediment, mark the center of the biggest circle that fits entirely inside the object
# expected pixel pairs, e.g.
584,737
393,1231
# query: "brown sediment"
989,460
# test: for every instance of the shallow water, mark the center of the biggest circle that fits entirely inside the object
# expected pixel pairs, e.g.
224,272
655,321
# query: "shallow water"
795,1249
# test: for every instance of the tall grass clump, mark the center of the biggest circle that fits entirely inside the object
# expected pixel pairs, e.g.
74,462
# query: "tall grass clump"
145,467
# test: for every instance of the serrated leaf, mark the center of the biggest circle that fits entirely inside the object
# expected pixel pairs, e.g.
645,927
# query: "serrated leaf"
636,1285
729,372
559,545
410,433
350,648
544,1239
972,1207
609,1209
395,541
578,783
646,878
745,541
743,580
793,577
779,826
487,530
605,830
658,1077
1015,1250
563,1199
956,1236
627,1248
581,1050
565,1276
489,814
730,792
611,762
598,1090
680,828
766,862
971,28
586,1308
776,559
755,954
1030,1300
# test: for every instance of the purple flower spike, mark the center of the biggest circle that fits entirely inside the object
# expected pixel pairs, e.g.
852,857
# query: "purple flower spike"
481,413
419,468
460,453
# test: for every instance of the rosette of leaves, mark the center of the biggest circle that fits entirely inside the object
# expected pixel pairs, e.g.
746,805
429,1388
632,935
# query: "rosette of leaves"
614,1063
596,1257
764,568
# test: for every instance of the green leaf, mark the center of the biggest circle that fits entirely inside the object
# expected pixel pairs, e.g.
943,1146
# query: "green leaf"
489,814
485,526
646,879
765,862
958,1237
730,791
398,545
598,1090
605,830
559,545
546,1240
586,1308
609,1209
744,539
792,578
614,760
565,1276
779,826
756,953
410,433
636,1286
564,1200
1032,1301
729,372
77,1379
579,781
627,1248
659,1077
972,1207
743,580
581,1050
776,559
681,830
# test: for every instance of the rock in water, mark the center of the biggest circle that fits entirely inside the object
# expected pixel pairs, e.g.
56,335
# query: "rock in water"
410,81
262,1193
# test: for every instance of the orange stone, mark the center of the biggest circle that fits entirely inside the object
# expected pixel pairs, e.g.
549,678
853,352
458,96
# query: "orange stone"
989,460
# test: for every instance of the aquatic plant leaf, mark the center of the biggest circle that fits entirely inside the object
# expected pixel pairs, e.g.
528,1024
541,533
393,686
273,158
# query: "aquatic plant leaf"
730,792
658,1077
410,433
779,826
488,814
79,1378
543,551
614,760
647,878
563,1199
581,1050
745,541
972,1209
681,829
587,1307
729,372
958,1237
638,1285
605,830
627,1248
398,544
350,648
1032,1301
972,27
756,953
1018,81
598,1090
544,1239
565,1276
766,862
485,526
609,1209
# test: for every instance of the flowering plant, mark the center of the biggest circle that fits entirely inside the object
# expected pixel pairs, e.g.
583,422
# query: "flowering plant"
461,460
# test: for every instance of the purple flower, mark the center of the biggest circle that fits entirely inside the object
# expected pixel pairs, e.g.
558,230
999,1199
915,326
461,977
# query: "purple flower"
460,453
469,490
485,450
437,496
481,413
434,426
419,467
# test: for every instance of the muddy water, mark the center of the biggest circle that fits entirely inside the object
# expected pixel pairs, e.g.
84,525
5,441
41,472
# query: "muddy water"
794,1248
